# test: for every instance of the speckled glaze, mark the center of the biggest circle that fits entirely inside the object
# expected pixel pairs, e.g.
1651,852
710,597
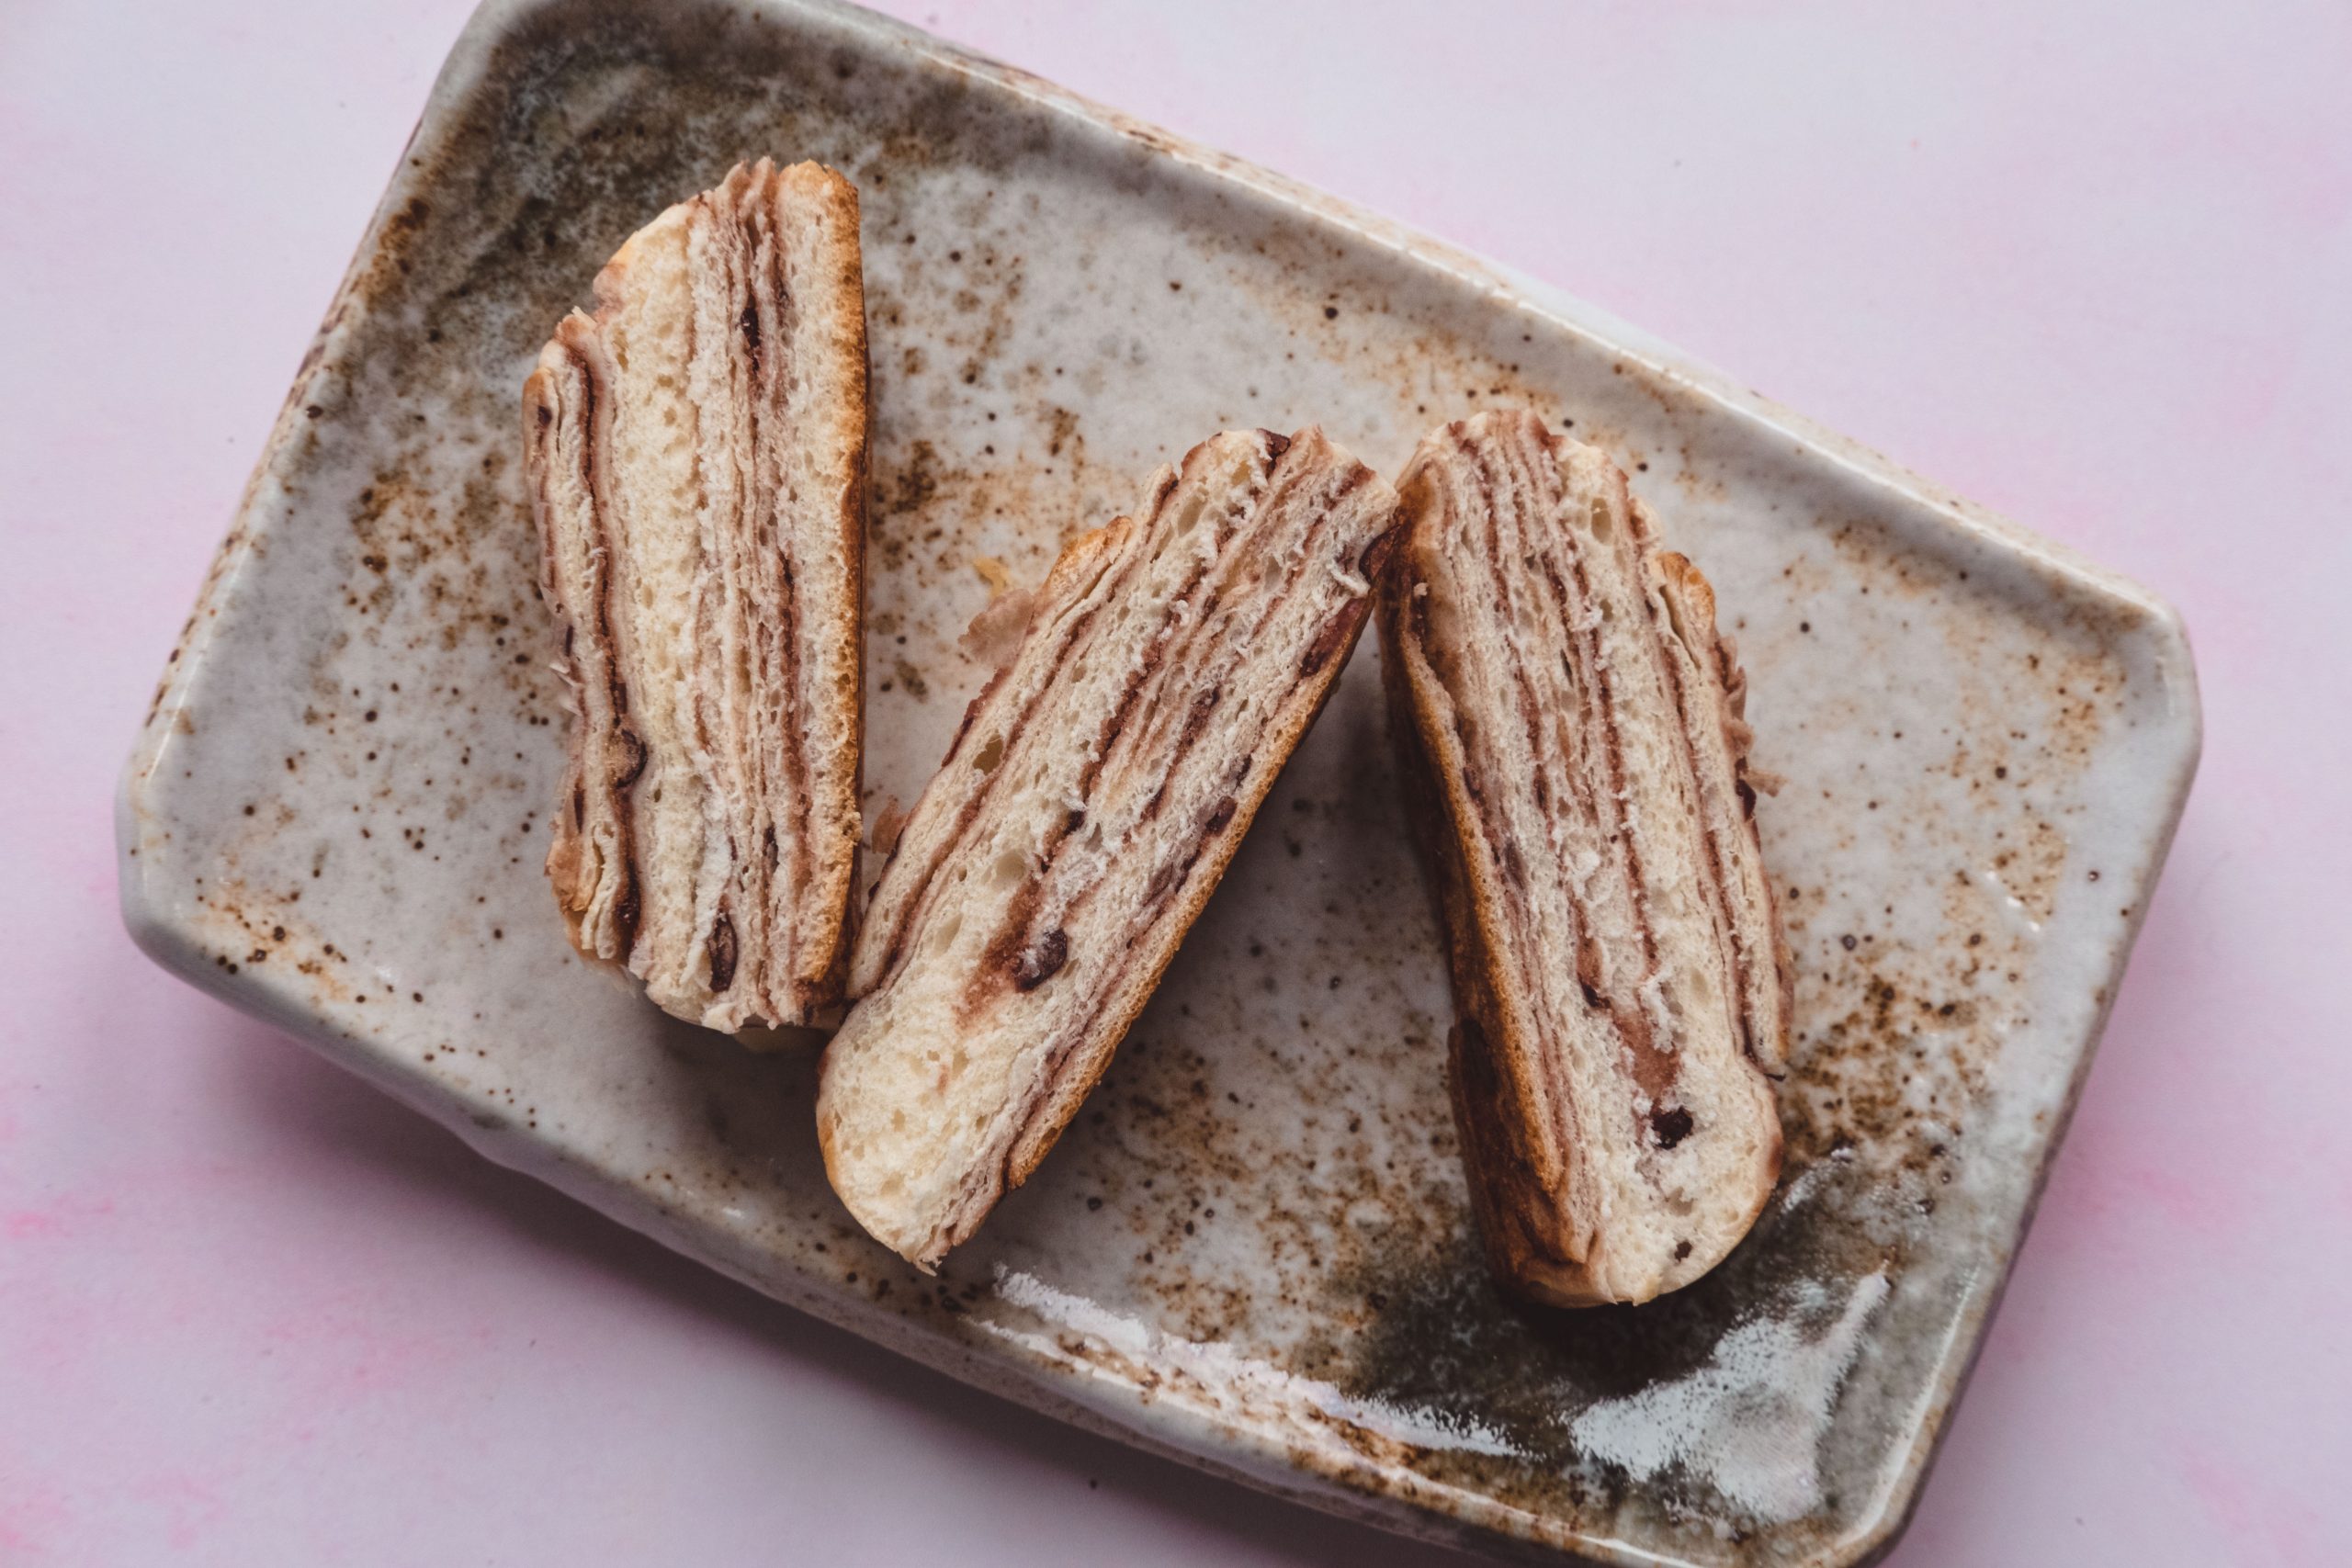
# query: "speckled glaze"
1252,1248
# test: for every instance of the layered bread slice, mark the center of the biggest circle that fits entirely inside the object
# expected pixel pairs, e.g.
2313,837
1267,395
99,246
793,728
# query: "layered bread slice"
697,462
1097,790
1573,737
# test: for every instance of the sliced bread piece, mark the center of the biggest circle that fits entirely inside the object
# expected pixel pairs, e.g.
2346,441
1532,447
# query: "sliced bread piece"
1571,728
1088,807
696,461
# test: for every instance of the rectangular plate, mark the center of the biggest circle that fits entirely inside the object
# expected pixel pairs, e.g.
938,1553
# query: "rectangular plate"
1252,1248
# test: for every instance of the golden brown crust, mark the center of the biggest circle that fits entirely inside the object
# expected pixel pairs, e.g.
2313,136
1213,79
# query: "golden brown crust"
826,968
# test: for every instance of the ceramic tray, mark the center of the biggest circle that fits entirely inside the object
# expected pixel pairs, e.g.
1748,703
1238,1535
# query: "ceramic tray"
1252,1248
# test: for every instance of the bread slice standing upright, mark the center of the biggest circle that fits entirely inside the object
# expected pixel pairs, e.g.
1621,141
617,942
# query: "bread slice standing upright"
1572,732
697,462
1099,786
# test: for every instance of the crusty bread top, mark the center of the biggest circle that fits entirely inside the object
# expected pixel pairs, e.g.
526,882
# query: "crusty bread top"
1572,732
696,458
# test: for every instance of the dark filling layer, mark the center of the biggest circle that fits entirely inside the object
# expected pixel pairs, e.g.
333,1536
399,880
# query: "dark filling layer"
620,749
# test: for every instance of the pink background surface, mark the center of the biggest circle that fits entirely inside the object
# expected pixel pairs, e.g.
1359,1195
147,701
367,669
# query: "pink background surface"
2094,270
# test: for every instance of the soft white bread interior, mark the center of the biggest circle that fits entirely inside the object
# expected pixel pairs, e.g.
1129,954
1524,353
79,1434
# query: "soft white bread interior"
1087,809
697,462
1572,732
